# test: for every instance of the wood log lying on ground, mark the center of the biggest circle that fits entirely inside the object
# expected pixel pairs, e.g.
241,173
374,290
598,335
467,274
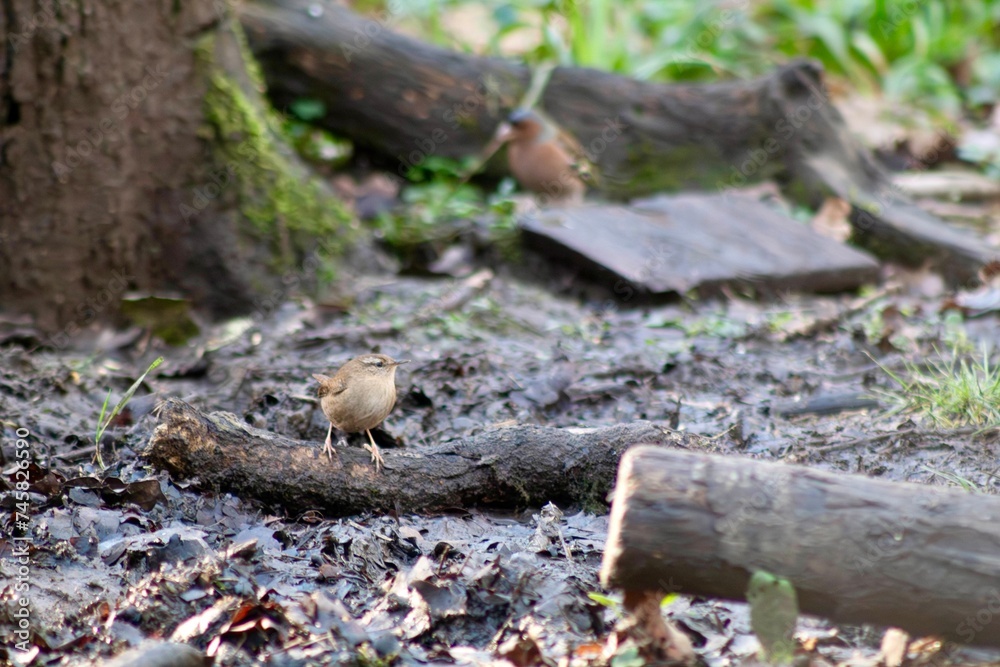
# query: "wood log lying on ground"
405,100
925,559
511,466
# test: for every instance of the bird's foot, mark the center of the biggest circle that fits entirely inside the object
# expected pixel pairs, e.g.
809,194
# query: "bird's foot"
376,456
376,453
330,451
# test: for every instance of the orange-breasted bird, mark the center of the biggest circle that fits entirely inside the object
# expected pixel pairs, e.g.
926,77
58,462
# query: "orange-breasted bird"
543,158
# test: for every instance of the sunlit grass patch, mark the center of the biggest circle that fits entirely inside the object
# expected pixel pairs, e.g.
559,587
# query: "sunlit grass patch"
951,389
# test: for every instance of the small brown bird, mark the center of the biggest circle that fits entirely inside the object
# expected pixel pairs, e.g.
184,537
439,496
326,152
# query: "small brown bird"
543,158
358,398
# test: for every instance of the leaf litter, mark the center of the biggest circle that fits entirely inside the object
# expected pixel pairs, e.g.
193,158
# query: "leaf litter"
127,557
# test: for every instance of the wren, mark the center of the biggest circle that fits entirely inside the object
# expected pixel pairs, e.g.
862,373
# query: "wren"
358,398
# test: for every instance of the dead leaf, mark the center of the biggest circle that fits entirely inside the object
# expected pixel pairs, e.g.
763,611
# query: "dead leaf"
522,651
832,219
655,637
894,645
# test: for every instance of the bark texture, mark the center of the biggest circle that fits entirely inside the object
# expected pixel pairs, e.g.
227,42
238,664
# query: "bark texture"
516,466
119,170
857,550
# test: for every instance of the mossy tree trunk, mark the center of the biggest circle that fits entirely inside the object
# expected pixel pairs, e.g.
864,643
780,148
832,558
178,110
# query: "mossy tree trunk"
136,154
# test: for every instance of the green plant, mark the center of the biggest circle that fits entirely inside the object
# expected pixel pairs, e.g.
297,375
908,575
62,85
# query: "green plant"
713,324
940,54
102,423
615,603
605,601
315,144
778,322
957,480
951,389
438,206
774,612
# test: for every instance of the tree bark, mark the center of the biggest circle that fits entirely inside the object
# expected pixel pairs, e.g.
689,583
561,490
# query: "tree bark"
521,465
857,550
136,154
404,100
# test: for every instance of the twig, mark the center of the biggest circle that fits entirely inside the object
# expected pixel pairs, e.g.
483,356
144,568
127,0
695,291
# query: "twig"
565,546
450,301
539,79
540,76
856,306
891,434
853,443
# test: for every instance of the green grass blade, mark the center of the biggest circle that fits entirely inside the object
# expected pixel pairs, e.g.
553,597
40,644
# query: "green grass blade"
102,423
100,431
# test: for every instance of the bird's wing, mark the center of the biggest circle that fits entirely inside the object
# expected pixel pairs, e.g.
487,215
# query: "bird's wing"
584,168
329,386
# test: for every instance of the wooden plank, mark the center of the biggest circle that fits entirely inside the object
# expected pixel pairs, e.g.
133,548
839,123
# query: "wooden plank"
673,244
857,550
890,225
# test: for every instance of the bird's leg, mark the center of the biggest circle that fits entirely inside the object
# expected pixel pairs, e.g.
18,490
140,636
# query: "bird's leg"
328,443
376,454
328,449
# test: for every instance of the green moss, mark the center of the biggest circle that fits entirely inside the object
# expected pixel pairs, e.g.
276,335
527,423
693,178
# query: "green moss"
284,206
653,174
250,64
593,497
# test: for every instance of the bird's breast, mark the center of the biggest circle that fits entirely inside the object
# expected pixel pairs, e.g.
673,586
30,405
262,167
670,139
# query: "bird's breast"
362,405
544,167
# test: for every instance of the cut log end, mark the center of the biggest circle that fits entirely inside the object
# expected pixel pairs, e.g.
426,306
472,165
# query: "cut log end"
857,550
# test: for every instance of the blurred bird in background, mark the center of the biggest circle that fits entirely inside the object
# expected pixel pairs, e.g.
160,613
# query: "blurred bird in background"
543,158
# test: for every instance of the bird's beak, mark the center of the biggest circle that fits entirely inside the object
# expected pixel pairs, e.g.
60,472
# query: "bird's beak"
404,361
505,132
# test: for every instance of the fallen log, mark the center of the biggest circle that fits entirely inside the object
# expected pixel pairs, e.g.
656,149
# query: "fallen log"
857,550
403,100
515,466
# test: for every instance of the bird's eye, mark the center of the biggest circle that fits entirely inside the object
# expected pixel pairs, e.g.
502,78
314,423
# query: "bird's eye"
378,363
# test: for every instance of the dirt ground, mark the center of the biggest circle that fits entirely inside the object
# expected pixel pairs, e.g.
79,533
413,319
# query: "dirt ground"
114,564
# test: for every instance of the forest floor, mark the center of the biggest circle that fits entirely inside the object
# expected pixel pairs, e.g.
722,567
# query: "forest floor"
114,564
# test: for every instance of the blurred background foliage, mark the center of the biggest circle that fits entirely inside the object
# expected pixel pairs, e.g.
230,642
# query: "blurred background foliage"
928,66
942,55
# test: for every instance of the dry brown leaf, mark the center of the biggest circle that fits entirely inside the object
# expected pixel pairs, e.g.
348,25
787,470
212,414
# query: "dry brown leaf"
831,220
